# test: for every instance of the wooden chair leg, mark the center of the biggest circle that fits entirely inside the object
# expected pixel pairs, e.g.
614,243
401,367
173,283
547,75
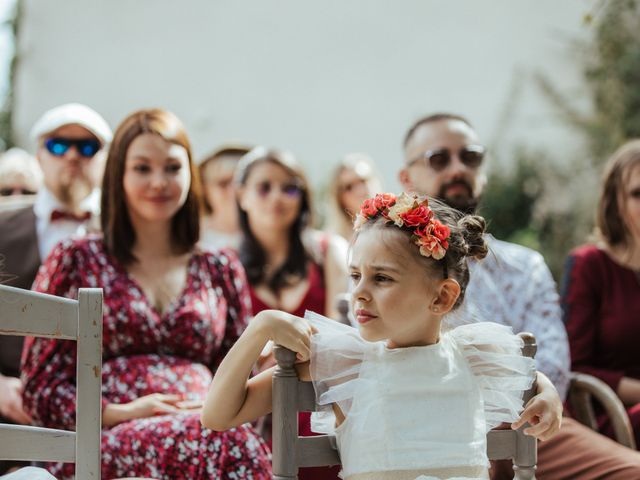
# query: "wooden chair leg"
524,473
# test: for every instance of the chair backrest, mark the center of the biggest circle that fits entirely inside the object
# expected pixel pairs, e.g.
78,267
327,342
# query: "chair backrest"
291,451
586,389
27,313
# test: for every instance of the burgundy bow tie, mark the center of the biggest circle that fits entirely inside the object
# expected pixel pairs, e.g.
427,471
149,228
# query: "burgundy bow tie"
62,215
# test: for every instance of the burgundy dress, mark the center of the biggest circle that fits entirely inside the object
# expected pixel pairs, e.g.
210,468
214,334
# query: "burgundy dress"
313,300
145,352
601,302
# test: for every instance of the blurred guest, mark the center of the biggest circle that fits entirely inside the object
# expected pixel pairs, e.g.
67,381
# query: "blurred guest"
290,267
353,181
20,173
68,139
219,226
601,292
171,312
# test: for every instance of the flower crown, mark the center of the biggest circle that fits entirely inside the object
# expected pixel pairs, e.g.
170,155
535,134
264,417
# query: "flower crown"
412,213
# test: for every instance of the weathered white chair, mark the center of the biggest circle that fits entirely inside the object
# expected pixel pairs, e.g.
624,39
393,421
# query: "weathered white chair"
584,389
27,313
291,452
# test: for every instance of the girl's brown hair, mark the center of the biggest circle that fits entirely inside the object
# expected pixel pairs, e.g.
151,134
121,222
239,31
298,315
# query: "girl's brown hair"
119,234
466,240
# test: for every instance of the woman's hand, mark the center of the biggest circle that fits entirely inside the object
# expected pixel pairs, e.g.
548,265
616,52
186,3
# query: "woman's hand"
543,412
288,331
143,407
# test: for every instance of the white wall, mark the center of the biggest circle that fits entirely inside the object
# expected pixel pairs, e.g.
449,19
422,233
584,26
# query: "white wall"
318,78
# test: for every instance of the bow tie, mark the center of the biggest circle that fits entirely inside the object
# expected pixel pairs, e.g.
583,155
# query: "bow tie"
62,215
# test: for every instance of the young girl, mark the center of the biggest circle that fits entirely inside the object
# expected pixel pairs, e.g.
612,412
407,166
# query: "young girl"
412,398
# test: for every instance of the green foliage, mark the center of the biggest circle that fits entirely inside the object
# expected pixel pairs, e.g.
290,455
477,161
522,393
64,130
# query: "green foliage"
549,206
6,104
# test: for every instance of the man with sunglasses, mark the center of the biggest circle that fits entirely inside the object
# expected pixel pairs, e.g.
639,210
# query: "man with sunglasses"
512,286
70,140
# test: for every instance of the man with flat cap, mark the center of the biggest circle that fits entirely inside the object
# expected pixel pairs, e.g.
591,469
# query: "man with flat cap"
69,141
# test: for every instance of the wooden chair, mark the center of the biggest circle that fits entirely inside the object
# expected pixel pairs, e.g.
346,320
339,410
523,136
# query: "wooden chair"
586,389
291,452
27,313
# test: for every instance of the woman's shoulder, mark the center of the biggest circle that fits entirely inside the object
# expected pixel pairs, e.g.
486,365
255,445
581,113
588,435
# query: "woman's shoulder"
588,251
79,247
589,258
320,243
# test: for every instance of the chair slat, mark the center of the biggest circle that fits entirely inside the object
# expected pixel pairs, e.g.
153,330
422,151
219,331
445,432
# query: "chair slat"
38,444
306,397
317,451
23,312
501,444
89,375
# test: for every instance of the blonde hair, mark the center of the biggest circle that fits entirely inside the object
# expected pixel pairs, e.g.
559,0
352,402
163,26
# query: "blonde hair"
339,220
18,167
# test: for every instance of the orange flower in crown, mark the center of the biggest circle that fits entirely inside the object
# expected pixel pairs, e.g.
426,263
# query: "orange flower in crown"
411,213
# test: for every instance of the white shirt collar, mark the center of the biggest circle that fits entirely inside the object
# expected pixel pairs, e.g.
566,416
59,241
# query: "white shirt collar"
46,202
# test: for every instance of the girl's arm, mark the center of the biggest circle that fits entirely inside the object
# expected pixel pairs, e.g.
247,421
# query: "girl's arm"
234,398
543,412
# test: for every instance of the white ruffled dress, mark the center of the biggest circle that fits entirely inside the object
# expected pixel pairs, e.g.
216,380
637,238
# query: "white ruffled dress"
417,412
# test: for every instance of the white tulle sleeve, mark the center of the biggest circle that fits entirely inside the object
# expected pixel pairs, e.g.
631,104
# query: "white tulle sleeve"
337,351
494,355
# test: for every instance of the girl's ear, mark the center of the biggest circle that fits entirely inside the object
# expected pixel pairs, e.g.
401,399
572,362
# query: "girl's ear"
446,296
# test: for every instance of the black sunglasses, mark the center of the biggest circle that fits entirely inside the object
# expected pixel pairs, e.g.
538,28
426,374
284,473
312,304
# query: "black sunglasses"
8,191
438,160
58,146
291,190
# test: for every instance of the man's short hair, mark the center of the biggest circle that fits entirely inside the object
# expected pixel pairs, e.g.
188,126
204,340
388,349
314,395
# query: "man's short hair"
435,117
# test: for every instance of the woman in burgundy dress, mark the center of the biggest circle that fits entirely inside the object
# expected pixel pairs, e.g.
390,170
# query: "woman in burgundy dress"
171,312
289,266
601,292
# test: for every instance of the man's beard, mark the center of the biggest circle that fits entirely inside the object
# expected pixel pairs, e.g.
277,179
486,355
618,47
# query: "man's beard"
73,192
467,203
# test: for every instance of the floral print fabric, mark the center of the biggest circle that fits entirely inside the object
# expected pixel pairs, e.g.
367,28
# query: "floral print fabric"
144,352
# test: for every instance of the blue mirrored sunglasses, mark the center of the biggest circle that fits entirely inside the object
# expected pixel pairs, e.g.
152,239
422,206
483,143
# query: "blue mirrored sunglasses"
58,146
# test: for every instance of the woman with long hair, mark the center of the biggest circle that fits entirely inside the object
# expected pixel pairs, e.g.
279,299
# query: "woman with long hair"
352,182
171,312
290,267
601,291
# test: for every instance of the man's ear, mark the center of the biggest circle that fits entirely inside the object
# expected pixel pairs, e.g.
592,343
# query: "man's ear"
446,296
405,180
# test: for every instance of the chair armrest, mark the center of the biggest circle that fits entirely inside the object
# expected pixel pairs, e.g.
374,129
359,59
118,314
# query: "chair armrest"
582,388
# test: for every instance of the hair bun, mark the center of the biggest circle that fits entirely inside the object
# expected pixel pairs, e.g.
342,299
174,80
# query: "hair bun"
472,228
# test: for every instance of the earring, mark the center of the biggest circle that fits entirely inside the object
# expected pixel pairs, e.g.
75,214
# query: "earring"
435,309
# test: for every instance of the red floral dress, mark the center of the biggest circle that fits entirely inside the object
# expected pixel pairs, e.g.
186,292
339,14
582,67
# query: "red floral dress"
143,353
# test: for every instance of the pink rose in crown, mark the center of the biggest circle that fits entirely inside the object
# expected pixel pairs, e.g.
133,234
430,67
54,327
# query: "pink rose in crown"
384,200
417,216
441,232
430,245
368,208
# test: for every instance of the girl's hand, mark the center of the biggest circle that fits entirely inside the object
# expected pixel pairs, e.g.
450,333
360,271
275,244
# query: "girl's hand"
543,412
11,400
143,407
288,331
